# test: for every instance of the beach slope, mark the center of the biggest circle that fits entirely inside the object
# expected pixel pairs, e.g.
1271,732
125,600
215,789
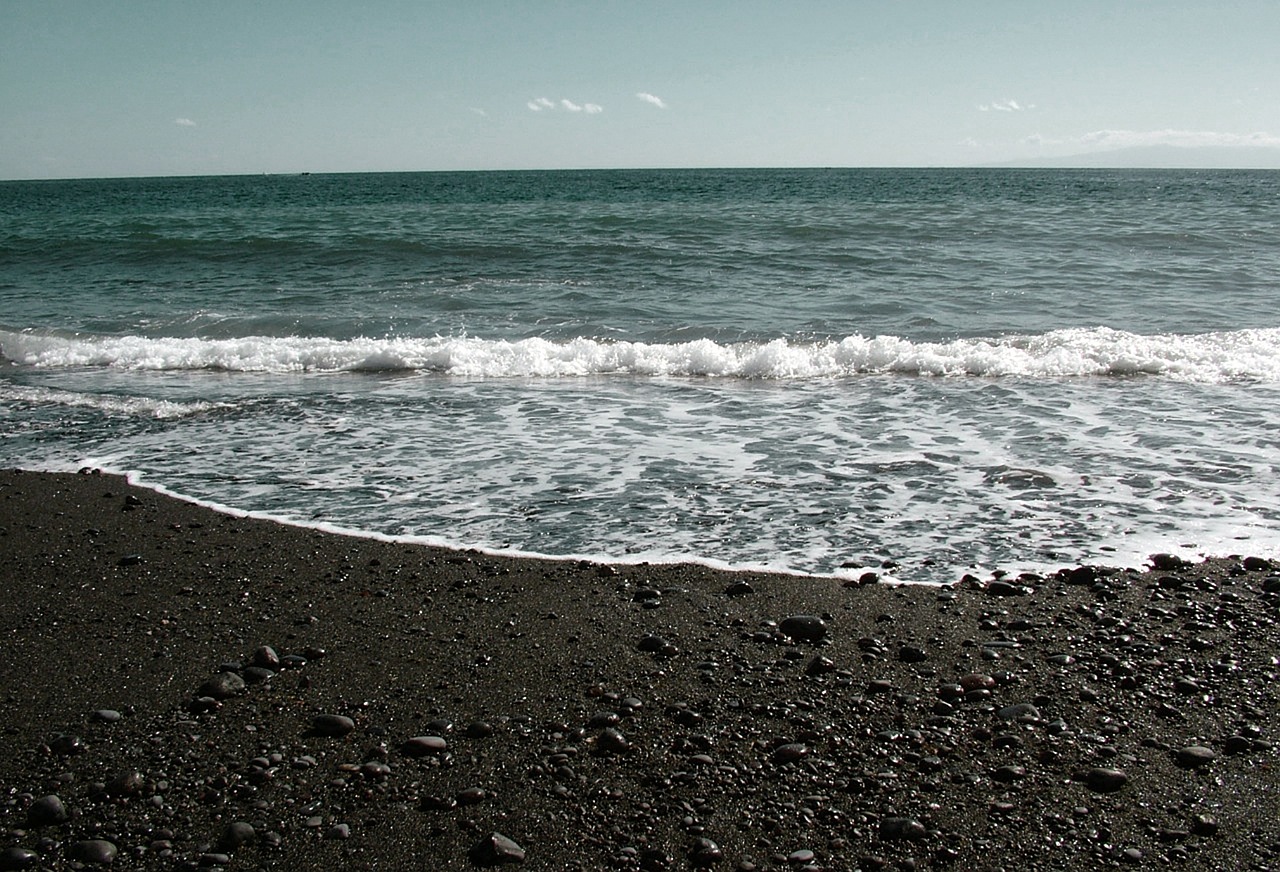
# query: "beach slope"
189,689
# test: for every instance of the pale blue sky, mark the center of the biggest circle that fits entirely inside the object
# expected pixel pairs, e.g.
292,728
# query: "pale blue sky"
129,87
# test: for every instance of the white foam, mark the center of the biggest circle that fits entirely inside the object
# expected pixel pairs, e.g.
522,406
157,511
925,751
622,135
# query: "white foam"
1078,352
112,404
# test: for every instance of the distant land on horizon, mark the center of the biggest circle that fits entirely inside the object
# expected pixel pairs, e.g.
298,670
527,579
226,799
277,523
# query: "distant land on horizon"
1158,157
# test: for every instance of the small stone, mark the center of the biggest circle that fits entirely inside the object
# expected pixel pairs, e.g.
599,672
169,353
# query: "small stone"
422,746
235,834
1204,825
98,852
46,811
705,852
1019,711
895,828
790,753
106,716
496,849
1168,563
800,858
339,832
739,588
224,685
820,665
611,741
1103,780
912,654
1193,756
18,858
803,628
1009,774
332,725
66,746
126,784
266,658
1005,588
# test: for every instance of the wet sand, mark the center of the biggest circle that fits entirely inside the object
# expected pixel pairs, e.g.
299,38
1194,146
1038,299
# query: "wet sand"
607,717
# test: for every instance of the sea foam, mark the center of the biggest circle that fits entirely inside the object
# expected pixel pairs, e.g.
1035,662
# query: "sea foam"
1239,355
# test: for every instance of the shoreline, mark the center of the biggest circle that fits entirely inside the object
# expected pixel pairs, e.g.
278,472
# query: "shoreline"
1136,559
615,716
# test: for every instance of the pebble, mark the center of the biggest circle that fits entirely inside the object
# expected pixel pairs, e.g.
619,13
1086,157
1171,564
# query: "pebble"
803,628
106,716
1104,780
47,811
332,725
266,658
611,741
235,834
224,685
790,753
421,746
496,849
1193,756
1019,711
98,852
899,828
18,858
705,852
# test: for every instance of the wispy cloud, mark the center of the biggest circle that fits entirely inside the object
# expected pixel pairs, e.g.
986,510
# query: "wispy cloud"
184,122
480,112
1109,139
1005,106
651,98
540,103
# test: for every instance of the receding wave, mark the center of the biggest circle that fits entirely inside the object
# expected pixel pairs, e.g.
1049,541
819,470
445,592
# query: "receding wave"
113,404
1208,357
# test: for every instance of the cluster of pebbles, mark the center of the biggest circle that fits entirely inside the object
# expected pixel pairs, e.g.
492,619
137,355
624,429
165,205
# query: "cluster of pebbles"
201,692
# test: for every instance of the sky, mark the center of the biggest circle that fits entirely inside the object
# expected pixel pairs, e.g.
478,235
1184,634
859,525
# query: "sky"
169,87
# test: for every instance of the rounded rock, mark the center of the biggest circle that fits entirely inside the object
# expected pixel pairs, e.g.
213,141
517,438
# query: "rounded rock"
235,834
18,858
422,746
224,685
98,852
332,725
496,849
1102,780
803,628
1193,756
705,852
46,811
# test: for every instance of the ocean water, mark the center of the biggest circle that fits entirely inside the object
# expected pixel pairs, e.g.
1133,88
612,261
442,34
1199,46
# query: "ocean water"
920,372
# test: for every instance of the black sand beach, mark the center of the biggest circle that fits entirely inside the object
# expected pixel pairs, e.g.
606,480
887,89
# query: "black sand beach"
599,717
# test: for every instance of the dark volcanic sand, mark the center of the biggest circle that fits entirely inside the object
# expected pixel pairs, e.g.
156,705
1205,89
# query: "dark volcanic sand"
607,717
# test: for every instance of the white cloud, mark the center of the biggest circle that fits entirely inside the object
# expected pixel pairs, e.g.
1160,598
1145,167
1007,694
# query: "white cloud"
480,112
650,98
541,103
1005,106
184,122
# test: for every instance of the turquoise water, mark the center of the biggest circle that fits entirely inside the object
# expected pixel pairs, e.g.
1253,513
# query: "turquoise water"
812,370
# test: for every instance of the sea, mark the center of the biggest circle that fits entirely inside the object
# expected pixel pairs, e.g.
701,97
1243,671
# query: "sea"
832,372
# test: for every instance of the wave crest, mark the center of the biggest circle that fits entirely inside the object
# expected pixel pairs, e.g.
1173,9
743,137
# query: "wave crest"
1099,351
